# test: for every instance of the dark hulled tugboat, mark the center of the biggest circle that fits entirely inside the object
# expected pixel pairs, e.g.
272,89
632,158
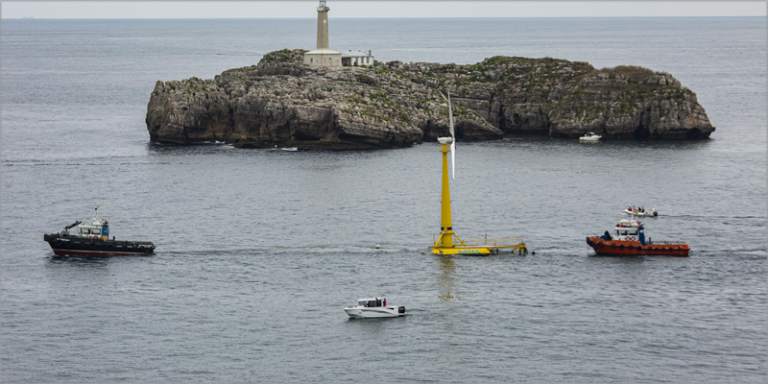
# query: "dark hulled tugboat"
629,239
93,239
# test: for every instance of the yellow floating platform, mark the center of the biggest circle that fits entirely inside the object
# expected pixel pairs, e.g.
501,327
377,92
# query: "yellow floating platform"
480,246
461,251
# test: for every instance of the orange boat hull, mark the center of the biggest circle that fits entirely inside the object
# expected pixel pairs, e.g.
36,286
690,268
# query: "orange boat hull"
622,248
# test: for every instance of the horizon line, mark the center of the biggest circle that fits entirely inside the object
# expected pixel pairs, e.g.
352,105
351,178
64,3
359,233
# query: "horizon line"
347,17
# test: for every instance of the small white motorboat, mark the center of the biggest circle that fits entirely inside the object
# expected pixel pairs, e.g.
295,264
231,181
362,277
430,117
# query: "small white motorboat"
641,212
374,308
590,136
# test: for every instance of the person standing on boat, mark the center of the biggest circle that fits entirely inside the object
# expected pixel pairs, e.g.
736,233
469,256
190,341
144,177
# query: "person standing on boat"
385,302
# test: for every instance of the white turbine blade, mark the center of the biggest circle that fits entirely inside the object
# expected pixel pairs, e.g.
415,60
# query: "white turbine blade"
443,96
453,143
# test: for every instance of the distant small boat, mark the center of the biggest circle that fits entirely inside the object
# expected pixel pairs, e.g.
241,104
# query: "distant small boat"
590,136
373,309
641,212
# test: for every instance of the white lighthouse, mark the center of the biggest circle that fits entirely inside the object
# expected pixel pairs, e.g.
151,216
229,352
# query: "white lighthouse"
323,56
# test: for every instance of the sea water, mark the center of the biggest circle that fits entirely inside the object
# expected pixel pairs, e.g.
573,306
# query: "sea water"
259,250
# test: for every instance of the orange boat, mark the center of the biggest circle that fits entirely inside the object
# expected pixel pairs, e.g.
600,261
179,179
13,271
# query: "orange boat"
629,239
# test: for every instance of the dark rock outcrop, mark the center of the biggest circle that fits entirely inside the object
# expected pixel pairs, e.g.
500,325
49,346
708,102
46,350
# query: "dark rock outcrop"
282,102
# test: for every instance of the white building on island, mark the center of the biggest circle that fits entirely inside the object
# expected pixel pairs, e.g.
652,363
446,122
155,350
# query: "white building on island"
359,58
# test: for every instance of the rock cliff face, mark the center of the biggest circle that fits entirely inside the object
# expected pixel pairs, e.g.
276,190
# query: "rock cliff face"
282,102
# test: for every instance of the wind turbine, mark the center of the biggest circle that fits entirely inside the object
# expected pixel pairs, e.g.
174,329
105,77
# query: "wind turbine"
444,243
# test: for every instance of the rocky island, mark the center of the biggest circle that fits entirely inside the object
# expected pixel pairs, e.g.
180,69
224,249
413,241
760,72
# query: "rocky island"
283,102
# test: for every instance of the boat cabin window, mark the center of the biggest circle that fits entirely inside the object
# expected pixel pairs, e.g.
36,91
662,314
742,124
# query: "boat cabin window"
369,303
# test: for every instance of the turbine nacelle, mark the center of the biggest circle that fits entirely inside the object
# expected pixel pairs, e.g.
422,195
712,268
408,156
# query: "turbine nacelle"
445,140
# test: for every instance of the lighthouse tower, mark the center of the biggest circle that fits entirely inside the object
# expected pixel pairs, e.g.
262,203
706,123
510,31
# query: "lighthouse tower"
323,56
322,26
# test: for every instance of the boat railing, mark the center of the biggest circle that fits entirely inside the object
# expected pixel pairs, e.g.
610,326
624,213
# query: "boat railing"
493,242
668,243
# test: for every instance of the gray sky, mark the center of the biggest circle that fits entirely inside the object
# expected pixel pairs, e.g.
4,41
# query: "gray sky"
343,9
